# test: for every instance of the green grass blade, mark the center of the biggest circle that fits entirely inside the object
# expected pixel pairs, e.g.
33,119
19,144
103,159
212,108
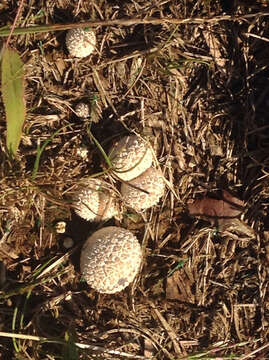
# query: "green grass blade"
12,87
100,148
42,148
70,350
16,346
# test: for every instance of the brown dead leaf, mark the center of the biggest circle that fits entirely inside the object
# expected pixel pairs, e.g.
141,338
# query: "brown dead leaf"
179,286
222,210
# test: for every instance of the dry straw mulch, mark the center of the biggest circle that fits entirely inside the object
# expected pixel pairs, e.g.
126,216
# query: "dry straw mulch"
198,91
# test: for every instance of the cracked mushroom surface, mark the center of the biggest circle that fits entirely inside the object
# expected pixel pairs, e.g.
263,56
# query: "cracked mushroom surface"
110,259
80,43
144,191
94,202
130,157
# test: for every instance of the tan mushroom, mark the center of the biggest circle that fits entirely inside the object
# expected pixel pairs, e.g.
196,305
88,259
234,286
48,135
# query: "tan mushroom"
144,191
130,157
110,259
93,201
80,43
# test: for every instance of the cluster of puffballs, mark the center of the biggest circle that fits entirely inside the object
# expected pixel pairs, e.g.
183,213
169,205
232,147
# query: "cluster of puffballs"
111,257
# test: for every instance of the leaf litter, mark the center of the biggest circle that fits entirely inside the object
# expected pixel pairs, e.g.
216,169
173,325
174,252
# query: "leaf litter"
202,102
218,211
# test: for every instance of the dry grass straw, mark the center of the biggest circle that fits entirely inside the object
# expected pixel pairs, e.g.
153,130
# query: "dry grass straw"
192,78
129,22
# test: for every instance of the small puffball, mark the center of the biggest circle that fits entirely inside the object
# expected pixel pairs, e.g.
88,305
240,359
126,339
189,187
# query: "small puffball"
144,191
60,227
82,110
80,43
86,199
94,202
68,243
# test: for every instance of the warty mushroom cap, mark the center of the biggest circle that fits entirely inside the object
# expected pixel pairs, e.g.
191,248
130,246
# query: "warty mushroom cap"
93,201
110,259
144,191
108,206
80,43
82,110
130,157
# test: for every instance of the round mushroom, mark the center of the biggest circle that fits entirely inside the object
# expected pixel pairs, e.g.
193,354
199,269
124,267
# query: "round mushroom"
82,110
80,43
144,191
68,242
93,202
110,259
60,227
130,157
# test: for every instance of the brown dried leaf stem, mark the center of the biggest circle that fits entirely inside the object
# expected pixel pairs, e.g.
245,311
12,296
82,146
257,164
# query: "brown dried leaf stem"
129,22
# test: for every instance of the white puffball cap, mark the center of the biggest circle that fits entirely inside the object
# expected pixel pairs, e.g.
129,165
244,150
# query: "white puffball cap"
82,110
152,182
130,157
93,202
86,199
80,43
60,227
108,206
110,259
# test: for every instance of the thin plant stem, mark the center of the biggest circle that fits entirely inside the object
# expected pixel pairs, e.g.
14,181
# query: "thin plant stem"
129,22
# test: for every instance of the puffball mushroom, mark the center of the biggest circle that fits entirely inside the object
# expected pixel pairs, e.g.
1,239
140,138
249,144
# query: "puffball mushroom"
80,43
82,110
93,201
130,157
110,259
144,191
